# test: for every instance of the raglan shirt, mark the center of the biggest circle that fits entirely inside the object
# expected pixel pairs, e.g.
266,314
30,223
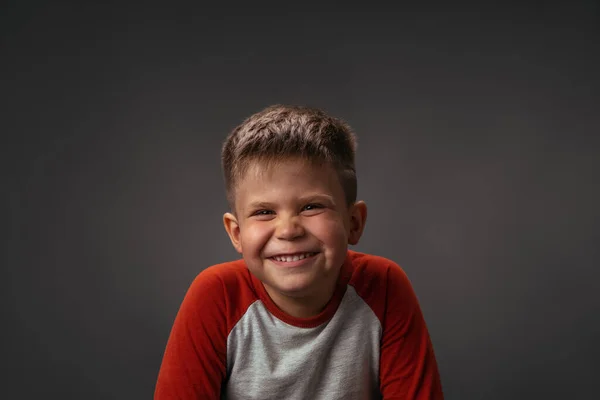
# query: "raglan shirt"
230,341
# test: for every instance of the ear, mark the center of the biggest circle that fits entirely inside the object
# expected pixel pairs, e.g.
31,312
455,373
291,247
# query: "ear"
233,230
358,219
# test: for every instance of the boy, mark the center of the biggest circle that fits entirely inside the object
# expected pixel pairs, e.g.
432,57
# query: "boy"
299,316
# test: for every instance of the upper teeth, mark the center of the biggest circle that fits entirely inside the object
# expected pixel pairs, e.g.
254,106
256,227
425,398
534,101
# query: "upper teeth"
294,257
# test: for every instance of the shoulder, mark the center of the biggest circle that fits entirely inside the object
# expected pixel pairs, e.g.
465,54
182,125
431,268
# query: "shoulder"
215,279
222,291
369,269
380,281
218,276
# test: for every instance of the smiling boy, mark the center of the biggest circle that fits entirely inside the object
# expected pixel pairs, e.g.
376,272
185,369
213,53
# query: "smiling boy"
300,316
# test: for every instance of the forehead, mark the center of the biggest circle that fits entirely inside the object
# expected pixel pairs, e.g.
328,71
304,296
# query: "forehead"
285,178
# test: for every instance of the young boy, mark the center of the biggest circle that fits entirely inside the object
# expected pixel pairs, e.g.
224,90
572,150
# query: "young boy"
299,316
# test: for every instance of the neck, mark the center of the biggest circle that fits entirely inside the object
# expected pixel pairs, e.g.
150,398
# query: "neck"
302,306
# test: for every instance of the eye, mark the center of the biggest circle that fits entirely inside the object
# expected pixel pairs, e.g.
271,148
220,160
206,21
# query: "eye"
311,206
262,212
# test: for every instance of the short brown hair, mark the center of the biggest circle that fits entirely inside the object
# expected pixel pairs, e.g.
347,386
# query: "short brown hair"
280,132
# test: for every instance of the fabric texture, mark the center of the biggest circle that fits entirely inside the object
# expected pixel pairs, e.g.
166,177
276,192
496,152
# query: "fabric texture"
229,340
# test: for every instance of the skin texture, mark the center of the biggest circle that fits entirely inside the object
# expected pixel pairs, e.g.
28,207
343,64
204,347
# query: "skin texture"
291,207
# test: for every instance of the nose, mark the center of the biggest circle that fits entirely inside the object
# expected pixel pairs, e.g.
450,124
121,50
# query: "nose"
289,228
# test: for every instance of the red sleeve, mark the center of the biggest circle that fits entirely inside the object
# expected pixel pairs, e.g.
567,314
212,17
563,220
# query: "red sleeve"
408,367
194,362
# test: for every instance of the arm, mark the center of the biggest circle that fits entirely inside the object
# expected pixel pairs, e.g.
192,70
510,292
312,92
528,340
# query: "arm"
194,361
408,367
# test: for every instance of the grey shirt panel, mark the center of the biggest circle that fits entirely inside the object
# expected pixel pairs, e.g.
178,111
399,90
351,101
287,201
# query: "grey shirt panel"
270,359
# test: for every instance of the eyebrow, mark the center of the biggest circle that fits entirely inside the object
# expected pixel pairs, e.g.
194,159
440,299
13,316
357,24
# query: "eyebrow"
316,197
260,204
304,199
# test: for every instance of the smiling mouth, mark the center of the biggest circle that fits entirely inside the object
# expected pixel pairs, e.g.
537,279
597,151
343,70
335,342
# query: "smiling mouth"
292,257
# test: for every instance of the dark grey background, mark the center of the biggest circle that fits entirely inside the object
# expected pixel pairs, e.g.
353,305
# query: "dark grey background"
478,156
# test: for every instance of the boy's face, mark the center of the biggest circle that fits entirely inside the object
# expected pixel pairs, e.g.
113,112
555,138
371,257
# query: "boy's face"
293,226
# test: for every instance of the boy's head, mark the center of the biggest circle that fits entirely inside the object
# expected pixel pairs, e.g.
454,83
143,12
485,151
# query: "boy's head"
291,185
281,132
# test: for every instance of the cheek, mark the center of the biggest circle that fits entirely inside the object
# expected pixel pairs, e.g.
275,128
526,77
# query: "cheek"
329,230
255,236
